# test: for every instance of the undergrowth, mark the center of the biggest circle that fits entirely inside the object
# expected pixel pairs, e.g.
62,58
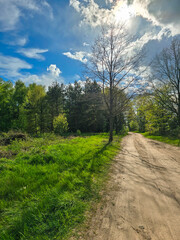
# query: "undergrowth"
165,139
47,184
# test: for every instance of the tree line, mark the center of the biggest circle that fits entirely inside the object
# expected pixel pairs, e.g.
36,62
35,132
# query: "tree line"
35,110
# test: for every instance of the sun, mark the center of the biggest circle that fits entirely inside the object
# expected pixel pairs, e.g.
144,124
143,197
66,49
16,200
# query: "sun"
123,12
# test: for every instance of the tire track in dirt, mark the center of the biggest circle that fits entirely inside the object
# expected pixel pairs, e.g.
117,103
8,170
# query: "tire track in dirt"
142,201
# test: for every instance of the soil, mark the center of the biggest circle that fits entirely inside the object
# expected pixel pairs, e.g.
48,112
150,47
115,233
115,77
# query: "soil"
142,200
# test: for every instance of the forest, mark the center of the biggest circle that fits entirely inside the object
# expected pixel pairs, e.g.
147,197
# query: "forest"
34,110
71,108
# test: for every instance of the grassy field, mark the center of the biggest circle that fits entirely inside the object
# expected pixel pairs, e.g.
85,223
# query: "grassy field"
169,140
48,184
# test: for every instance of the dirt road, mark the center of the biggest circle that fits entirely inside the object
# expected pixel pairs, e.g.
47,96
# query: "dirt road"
143,199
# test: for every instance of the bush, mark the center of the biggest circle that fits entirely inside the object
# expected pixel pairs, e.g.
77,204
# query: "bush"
78,133
60,124
124,131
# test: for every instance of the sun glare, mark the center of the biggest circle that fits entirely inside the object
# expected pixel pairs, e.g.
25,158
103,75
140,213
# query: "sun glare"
123,12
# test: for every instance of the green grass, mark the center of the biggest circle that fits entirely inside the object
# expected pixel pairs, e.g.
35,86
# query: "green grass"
47,184
165,139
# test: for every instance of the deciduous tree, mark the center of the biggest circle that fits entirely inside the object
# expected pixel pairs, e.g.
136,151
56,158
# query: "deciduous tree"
112,62
166,78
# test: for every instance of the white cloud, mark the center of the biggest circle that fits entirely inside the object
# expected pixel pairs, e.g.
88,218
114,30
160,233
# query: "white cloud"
75,4
153,22
90,11
54,70
16,41
80,56
94,15
85,44
162,13
147,29
21,41
10,67
11,11
33,52
45,79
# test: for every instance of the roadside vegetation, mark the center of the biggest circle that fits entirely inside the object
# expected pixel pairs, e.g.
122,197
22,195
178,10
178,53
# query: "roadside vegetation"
166,139
48,183
156,110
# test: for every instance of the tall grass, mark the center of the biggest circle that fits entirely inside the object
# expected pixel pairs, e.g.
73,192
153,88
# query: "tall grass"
165,139
49,183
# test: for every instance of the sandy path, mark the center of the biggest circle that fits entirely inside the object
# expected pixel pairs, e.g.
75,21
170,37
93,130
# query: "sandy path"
143,200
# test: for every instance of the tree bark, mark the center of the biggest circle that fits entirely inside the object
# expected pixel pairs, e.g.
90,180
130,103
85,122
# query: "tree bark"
111,117
179,111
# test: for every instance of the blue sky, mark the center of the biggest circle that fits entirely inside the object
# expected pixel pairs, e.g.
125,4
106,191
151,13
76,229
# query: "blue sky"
46,40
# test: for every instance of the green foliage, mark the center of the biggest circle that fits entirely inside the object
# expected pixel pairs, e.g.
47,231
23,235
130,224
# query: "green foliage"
133,126
131,116
55,100
166,139
18,100
48,186
84,107
73,106
6,93
78,132
60,124
33,110
35,96
166,72
152,117
8,138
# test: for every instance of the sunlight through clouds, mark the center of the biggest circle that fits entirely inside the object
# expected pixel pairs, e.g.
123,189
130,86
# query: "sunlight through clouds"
122,12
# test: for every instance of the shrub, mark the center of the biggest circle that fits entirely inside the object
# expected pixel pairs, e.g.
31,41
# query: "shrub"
124,130
78,133
60,124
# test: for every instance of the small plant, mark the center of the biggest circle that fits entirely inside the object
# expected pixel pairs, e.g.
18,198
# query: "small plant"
78,132
60,124
124,131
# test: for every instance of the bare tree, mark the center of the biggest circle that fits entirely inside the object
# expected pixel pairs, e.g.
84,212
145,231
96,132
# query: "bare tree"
112,62
166,77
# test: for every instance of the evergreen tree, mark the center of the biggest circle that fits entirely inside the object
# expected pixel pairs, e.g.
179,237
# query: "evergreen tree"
6,109
73,106
18,100
55,100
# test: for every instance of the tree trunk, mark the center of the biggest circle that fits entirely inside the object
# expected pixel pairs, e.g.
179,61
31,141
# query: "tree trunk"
111,117
111,129
179,110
